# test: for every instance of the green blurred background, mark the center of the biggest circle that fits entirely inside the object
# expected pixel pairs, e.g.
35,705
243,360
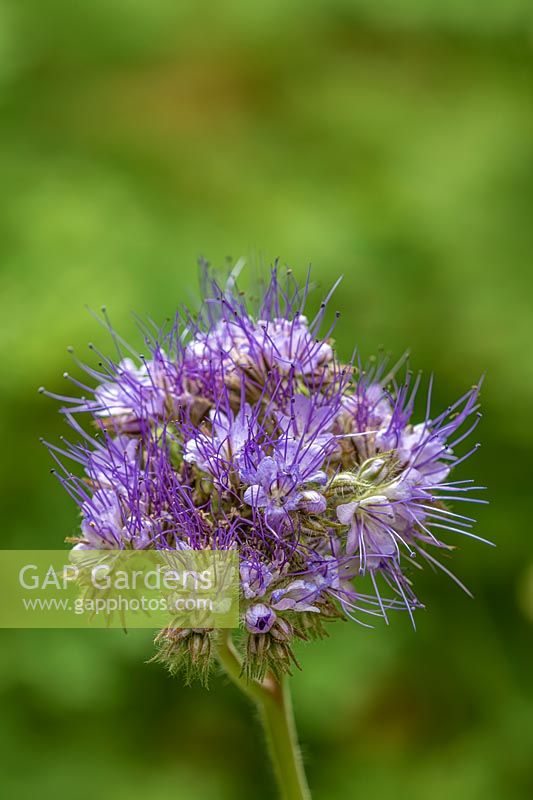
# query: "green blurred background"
392,142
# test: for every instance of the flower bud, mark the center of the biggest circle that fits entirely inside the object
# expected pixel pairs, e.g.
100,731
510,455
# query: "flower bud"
282,630
260,618
313,502
371,469
344,480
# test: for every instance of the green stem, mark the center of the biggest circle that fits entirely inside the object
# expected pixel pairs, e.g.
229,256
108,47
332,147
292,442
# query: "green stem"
274,702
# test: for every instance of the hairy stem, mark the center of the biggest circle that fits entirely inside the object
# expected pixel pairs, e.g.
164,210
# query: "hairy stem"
273,700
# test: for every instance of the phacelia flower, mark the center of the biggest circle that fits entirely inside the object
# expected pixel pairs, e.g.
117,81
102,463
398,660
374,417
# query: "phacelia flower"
242,429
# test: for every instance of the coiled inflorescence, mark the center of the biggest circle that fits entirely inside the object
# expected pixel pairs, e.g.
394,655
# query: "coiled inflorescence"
242,430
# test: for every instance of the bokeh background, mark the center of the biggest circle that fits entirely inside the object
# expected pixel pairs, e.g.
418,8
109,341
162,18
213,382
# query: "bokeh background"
388,141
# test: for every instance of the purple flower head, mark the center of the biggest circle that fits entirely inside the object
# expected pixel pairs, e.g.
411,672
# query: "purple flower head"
241,429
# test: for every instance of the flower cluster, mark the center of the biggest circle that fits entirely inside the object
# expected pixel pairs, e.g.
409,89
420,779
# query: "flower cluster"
242,430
